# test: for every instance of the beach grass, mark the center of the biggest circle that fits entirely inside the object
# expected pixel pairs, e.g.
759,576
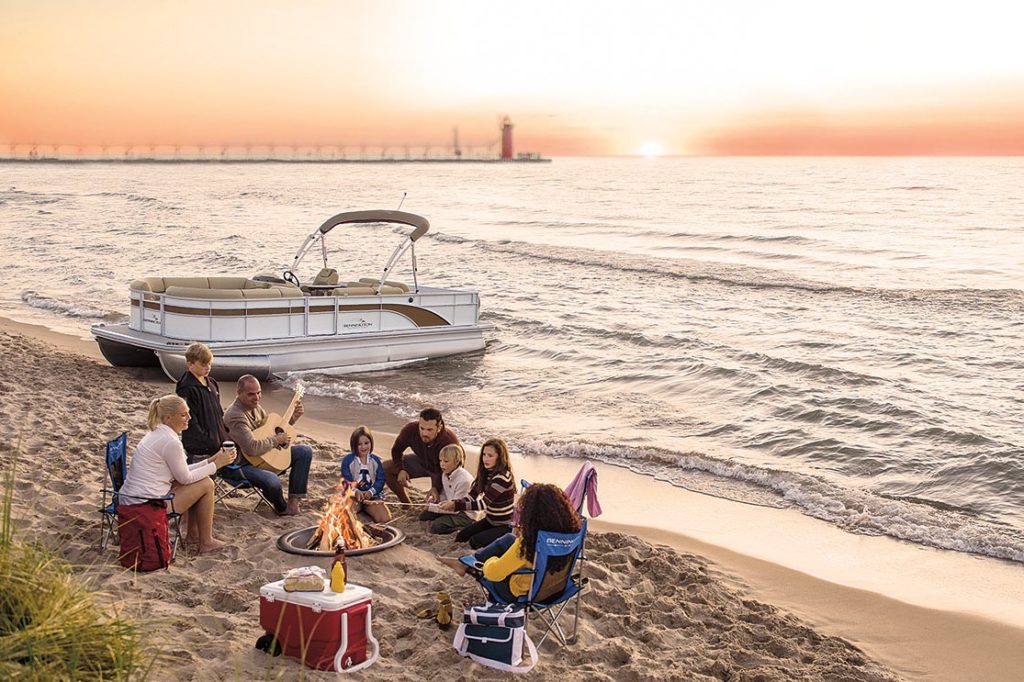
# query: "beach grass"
52,626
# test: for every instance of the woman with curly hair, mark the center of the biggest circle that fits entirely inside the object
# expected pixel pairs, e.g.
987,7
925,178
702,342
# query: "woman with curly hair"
541,507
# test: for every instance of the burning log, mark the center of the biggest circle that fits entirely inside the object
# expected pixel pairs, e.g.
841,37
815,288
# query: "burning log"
338,523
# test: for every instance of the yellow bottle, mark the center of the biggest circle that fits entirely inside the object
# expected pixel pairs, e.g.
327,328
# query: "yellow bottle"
338,577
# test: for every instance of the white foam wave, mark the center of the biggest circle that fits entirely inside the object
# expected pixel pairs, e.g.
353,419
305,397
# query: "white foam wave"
319,383
853,510
69,308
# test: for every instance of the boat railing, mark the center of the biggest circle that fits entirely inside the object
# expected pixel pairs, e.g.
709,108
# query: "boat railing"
232,319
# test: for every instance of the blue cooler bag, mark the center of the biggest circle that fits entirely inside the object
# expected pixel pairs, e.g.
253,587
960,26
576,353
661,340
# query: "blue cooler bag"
493,635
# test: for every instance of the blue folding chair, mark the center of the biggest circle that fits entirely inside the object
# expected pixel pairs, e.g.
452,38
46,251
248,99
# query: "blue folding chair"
237,487
117,468
552,588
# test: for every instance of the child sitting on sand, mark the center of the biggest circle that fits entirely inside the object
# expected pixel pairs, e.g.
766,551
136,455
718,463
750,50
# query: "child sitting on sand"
493,491
366,470
455,484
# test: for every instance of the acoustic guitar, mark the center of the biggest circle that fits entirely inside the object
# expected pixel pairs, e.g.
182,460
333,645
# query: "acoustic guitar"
278,458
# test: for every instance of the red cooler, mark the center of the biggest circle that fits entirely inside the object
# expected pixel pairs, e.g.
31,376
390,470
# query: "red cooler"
325,630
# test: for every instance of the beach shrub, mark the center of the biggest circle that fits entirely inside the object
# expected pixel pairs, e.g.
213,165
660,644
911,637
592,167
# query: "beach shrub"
51,625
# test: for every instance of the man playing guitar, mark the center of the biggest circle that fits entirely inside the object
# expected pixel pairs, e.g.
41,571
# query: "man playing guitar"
243,417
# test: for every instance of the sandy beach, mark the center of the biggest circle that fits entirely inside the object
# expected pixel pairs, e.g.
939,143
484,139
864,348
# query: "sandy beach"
683,586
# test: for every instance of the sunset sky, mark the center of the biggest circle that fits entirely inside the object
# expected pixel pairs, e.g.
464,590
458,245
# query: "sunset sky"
577,78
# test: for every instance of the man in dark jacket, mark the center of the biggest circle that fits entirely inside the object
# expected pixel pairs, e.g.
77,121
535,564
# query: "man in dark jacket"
425,438
206,432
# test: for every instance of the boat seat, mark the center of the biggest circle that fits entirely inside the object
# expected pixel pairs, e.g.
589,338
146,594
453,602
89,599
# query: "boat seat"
233,294
366,291
326,276
154,284
353,291
215,287
265,293
197,292
192,282
388,282
234,283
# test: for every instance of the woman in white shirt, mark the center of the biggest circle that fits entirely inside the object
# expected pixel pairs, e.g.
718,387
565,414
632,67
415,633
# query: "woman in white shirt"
159,467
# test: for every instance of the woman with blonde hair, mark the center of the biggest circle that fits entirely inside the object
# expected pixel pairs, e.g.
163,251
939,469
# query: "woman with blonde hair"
158,467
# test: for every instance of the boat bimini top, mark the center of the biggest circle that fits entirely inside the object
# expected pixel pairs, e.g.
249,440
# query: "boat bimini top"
420,224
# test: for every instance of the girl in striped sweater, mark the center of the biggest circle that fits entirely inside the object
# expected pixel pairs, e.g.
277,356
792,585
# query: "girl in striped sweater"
494,491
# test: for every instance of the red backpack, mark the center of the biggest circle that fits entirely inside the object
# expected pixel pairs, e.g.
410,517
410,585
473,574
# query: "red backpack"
143,532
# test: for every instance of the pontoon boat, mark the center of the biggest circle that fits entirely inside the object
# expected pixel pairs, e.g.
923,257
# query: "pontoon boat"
270,326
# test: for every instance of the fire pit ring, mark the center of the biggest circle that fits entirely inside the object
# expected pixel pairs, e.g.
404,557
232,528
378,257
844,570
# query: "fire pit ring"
294,542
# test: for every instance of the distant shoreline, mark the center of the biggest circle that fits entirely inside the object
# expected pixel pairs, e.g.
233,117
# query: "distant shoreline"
273,160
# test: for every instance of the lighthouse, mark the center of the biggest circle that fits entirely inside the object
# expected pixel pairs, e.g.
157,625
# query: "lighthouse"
506,139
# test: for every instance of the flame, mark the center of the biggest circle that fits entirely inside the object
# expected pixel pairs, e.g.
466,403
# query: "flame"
338,523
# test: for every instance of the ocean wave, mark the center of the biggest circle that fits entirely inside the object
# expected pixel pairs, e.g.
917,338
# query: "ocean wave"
445,238
914,519
126,195
923,188
756,238
70,308
817,415
323,384
858,511
550,224
811,370
939,434
535,329
728,274
14,195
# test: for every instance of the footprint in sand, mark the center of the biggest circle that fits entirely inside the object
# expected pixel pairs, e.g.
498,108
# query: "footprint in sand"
65,488
215,624
204,562
231,602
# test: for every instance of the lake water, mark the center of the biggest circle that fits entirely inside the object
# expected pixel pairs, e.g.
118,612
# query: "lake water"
839,335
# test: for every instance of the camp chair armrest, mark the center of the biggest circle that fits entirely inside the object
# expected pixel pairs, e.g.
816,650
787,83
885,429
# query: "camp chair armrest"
169,497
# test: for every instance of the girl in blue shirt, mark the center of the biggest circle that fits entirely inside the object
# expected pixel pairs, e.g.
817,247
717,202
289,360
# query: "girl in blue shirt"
366,471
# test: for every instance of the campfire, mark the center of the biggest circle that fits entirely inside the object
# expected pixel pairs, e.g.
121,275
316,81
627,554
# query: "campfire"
338,524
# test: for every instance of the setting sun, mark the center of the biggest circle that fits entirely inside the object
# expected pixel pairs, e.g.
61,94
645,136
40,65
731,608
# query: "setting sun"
651,150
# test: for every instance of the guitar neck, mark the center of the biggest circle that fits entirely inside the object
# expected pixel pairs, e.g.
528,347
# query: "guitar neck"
287,417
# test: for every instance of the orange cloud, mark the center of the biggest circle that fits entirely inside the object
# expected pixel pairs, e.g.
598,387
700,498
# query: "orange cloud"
980,129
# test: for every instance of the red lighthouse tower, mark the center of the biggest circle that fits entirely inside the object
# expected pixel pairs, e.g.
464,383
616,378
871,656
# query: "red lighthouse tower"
506,139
